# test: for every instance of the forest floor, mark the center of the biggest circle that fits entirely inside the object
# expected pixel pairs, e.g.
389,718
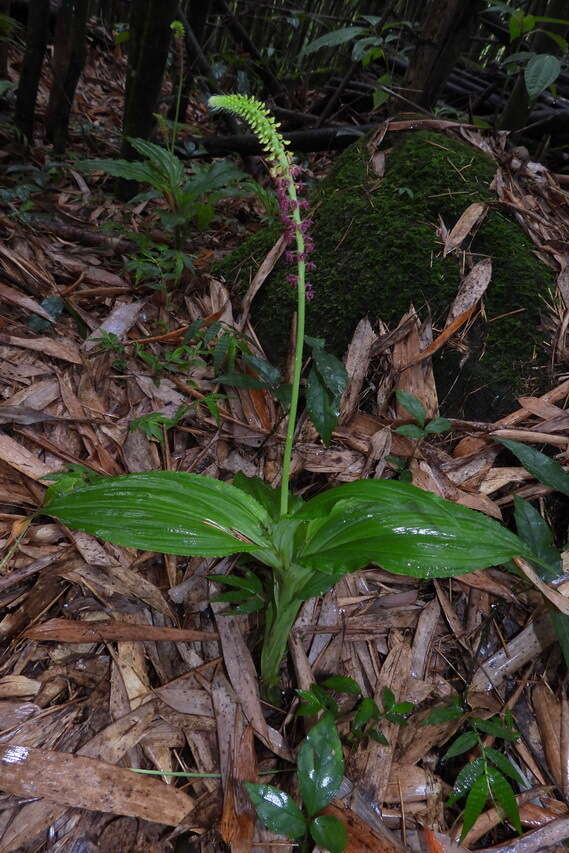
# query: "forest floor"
169,683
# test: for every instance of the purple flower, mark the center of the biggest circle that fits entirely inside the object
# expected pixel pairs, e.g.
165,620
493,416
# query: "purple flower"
289,209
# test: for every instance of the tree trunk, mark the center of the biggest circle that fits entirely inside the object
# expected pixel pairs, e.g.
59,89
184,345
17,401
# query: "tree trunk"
518,107
147,54
70,52
36,43
4,44
446,29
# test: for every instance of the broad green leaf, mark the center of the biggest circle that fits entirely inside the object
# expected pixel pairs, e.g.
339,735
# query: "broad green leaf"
443,715
169,166
239,380
165,511
134,171
363,45
465,779
518,58
265,495
403,707
232,596
329,833
438,425
504,796
332,39
378,737
323,409
410,431
310,704
495,727
387,699
415,533
342,684
249,582
502,763
320,765
252,605
367,710
413,405
393,717
535,531
319,584
330,369
516,24
462,744
276,810
265,370
382,493
325,698
475,802
541,71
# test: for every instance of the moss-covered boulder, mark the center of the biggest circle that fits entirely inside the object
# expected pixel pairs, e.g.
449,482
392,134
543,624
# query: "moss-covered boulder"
377,251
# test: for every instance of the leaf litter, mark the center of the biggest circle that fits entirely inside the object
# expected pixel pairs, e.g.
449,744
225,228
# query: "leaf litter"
114,659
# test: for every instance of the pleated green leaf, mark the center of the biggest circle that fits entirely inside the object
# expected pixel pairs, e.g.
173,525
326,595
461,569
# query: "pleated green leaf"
165,511
405,530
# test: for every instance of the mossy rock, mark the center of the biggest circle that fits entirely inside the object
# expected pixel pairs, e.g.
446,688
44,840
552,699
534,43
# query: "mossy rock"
376,252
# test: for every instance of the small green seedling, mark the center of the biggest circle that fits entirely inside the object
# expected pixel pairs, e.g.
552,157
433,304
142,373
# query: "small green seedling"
367,713
421,428
485,776
112,343
320,770
155,424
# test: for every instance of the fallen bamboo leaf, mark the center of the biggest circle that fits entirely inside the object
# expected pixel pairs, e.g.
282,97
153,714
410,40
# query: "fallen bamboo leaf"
22,459
548,718
441,340
472,289
468,220
109,630
87,783
61,348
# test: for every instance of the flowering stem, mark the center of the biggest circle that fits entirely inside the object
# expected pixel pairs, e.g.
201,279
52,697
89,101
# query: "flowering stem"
266,129
298,351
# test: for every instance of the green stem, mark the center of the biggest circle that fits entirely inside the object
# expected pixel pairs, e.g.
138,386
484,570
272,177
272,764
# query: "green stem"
298,351
279,619
178,102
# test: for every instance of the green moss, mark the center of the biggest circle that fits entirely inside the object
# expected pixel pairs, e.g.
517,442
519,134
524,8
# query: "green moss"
377,251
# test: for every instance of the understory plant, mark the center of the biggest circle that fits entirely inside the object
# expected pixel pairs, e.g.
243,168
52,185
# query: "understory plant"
297,548
190,201
486,775
365,716
320,770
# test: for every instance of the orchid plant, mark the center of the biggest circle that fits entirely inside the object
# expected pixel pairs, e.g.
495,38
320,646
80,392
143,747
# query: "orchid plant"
300,548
